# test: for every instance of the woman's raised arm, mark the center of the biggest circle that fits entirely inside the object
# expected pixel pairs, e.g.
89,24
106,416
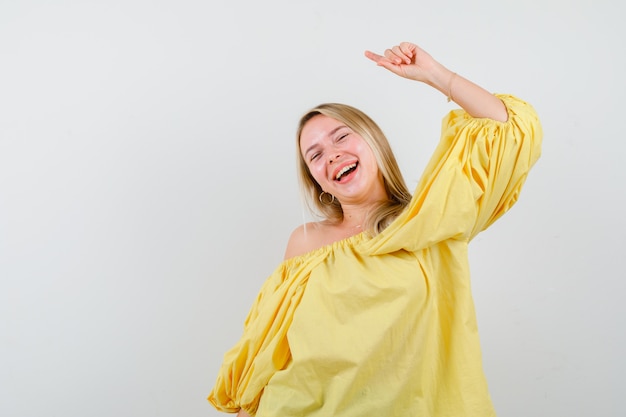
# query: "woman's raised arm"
410,61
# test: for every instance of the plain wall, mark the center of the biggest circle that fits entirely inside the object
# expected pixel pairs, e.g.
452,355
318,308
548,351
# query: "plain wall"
148,187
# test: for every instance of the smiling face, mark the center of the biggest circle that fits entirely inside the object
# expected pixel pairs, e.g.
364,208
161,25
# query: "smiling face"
341,162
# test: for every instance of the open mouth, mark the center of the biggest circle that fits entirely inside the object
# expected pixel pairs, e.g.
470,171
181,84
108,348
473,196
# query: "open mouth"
346,171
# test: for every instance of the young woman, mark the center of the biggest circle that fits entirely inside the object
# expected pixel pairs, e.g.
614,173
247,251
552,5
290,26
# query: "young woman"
371,313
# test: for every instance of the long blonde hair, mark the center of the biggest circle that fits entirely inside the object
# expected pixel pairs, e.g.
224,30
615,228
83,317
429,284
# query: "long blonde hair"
398,196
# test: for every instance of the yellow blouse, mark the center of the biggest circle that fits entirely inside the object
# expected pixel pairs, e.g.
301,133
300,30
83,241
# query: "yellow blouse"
385,325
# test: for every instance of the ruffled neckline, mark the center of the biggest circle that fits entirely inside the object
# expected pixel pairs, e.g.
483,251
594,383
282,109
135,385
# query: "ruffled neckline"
322,251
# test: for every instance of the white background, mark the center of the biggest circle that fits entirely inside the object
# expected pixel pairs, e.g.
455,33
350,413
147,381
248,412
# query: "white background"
148,187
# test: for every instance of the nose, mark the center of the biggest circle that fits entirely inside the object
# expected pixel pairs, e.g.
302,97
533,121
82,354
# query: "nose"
333,156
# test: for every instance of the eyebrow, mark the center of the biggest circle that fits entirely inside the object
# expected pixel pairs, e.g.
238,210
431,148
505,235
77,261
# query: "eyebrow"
332,132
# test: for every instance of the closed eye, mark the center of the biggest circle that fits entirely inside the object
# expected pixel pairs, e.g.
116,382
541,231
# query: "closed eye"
342,137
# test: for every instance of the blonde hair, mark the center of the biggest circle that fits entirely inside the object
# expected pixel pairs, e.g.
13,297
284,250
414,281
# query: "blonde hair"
398,196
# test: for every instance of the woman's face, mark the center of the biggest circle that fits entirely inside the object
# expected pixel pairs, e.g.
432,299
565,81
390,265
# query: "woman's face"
341,161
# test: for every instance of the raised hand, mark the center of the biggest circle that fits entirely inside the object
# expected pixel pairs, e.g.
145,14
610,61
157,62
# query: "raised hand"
406,60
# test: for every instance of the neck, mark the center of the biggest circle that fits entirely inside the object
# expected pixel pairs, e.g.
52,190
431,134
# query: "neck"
354,217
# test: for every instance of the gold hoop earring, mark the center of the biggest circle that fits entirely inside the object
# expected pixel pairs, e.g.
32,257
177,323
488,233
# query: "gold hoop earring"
326,201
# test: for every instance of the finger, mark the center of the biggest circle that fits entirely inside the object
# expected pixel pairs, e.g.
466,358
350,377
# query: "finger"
391,66
374,57
392,56
383,61
400,52
408,49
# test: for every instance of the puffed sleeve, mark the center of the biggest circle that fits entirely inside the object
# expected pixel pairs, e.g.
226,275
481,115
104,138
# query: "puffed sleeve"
474,176
263,348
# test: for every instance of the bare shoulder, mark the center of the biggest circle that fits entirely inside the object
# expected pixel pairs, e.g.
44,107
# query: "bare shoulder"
306,238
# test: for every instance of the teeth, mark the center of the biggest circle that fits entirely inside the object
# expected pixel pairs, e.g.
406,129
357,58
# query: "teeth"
344,170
